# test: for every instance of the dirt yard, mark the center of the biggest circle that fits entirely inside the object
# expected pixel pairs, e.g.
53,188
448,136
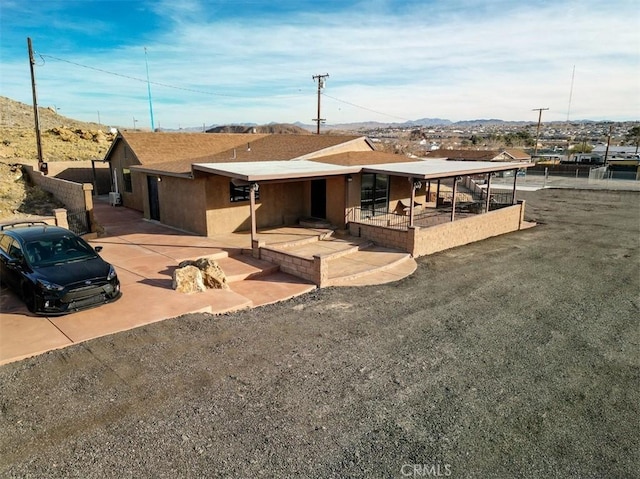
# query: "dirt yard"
514,357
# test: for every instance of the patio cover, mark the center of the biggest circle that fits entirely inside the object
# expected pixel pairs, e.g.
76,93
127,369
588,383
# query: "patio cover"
434,169
254,171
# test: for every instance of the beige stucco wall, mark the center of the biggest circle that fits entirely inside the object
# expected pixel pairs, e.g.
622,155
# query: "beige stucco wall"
182,203
468,230
425,241
279,204
122,157
336,200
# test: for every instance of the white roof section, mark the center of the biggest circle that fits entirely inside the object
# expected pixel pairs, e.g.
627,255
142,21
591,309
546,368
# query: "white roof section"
275,170
429,169
252,171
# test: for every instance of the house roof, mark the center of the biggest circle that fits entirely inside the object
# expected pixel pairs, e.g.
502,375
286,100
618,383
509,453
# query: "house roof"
174,153
517,154
434,169
418,169
160,148
274,170
258,157
464,155
351,158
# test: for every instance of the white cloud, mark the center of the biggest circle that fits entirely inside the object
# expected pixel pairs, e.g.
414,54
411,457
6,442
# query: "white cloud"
460,60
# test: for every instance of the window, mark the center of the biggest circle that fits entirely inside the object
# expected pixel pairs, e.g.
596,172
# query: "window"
240,193
374,195
126,176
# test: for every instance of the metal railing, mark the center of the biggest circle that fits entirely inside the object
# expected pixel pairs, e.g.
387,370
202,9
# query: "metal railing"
382,218
78,222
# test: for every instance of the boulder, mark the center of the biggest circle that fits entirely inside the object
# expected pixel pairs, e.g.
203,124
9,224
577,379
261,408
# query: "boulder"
188,279
212,275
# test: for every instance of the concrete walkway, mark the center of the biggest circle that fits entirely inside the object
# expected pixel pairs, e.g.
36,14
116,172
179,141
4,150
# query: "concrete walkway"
145,255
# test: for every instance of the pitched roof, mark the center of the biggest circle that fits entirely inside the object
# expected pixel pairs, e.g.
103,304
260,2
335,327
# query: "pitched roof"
174,153
462,155
159,148
517,154
352,158
280,147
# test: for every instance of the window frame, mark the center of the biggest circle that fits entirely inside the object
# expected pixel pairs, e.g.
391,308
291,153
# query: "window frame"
240,194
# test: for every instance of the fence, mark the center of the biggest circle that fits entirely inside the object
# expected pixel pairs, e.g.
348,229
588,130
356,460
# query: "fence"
77,198
79,222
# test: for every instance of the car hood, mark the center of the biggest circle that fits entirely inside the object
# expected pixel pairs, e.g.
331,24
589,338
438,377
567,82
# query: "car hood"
74,272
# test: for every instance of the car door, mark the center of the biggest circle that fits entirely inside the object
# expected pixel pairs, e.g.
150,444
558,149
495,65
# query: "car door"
11,261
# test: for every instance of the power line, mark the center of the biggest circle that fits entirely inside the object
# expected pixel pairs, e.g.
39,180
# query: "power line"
365,108
193,90
43,56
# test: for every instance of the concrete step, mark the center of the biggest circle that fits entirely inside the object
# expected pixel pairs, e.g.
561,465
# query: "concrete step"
370,265
242,267
331,246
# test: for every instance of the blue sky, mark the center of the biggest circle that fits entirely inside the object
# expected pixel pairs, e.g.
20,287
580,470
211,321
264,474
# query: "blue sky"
217,62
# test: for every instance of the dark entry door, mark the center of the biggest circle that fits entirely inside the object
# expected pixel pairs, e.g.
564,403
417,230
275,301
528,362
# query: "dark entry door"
154,203
319,198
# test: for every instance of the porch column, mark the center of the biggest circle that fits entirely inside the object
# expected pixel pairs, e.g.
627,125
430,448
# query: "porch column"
414,186
428,198
438,192
453,198
252,206
513,194
488,198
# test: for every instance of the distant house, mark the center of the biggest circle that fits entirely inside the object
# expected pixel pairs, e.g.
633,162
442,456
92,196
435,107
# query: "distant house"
511,154
213,184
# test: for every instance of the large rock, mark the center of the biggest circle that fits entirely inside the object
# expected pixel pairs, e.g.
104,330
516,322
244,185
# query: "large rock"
188,279
212,275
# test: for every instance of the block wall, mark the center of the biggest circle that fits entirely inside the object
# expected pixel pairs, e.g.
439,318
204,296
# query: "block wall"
75,196
460,232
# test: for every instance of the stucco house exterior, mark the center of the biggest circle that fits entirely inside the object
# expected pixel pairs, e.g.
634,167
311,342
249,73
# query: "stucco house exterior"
212,184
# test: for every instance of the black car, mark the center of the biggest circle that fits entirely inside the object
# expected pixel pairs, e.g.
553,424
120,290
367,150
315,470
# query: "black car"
53,269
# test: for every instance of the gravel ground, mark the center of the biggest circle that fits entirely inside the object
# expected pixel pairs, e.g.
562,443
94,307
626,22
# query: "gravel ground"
513,357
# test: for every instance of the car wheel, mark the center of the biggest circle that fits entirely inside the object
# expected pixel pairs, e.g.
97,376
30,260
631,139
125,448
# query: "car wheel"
29,298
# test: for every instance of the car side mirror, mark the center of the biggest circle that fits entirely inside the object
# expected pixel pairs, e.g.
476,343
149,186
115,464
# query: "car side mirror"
98,249
15,261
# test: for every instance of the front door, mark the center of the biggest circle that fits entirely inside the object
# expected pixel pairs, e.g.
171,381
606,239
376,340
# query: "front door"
154,203
319,198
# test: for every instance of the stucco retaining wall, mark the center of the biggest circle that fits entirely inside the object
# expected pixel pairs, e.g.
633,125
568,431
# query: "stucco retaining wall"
75,196
423,241
314,270
468,230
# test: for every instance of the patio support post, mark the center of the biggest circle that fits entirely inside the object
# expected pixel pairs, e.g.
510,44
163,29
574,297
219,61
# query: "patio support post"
252,206
428,198
415,185
438,193
515,179
453,198
488,198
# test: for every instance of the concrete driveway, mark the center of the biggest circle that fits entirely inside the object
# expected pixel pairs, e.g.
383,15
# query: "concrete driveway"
145,255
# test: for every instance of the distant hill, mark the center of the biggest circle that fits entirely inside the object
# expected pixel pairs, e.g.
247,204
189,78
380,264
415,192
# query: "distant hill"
62,138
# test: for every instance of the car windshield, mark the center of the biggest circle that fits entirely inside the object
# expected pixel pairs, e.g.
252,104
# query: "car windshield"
58,250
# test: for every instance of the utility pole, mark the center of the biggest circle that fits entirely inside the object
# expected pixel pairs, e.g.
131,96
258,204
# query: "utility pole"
321,82
606,153
539,110
35,106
